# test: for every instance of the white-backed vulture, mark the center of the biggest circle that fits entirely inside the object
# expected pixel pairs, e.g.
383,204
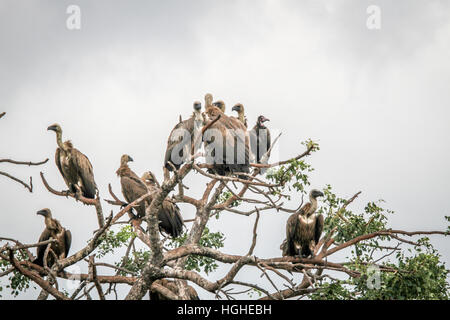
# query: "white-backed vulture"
182,137
303,229
53,230
172,286
226,142
260,140
134,187
75,167
170,219
239,108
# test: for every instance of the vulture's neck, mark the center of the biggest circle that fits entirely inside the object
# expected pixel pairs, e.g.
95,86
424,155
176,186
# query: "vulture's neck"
60,143
123,169
310,207
198,116
51,223
313,205
241,116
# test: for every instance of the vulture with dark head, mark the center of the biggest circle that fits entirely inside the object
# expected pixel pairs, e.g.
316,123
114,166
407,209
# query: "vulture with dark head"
182,137
170,219
74,166
239,108
226,135
260,140
303,229
134,187
53,230
220,104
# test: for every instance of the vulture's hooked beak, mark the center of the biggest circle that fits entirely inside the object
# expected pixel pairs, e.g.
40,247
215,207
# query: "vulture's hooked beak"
264,119
318,194
130,158
52,128
197,106
236,108
42,213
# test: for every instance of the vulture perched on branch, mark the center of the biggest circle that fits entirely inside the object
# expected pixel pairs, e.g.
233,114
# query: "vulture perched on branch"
226,142
303,229
170,219
182,137
260,141
133,187
239,108
74,166
53,230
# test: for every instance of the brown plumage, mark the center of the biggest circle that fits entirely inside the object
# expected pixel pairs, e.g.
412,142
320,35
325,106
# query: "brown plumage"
239,108
182,137
170,219
232,135
53,230
260,140
171,285
134,187
303,229
74,166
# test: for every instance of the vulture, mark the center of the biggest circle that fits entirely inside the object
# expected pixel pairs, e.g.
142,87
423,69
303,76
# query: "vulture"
181,138
227,134
74,166
171,285
239,108
170,219
303,229
260,140
53,230
220,104
134,187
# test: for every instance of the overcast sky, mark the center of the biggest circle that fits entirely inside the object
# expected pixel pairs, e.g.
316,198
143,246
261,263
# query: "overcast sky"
376,100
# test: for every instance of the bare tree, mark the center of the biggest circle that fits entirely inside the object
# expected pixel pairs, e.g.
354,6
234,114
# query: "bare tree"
366,233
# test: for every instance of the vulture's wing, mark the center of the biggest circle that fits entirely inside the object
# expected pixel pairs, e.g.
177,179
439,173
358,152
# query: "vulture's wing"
45,235
179,135
58,164
253,145
85,173
68,242
170,219
269,139
319,228
291,229
132,189
235,134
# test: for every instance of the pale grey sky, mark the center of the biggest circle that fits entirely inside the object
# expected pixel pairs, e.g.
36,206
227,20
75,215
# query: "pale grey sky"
377,100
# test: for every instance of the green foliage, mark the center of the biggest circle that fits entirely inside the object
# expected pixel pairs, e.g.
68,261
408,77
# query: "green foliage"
113,240
223,198
336,290
209,239
349,225
136,263
418,277
292,176
17,283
